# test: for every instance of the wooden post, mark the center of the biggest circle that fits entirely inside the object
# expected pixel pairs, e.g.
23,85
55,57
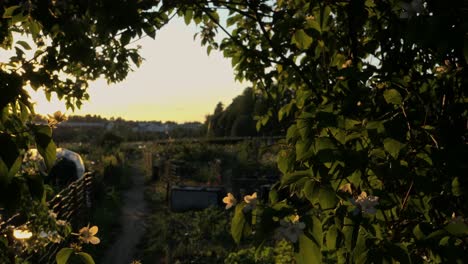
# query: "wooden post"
148,162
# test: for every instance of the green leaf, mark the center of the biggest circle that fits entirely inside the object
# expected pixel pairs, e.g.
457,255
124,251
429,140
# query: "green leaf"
327,198
150,31
418,233
292,132
349,233
188,16
45,145
34,27
301,39
273,196
331,237
86,258
324,17
393,147
9,156
351,123
392,96
303,150
238,223
285,161
314,24
293,177
378,153
304,128
355,178
317,232
457,228
310,191
360,250
437,234
209,49
376,125
284,111
309,252
63,255
24,44
136,59
456,188
125,38
424,156
324,143
15,167
8,13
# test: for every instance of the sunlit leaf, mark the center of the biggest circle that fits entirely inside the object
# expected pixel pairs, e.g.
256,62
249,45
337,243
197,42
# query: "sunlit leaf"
392,96
301,39
327,198
24,44
45,144
86,258
63,255
457,190
393,147
8,13
238,223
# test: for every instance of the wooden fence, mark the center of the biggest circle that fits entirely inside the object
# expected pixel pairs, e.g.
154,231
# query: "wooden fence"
72,204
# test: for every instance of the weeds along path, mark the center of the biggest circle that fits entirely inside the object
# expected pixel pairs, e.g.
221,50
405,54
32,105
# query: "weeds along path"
132,220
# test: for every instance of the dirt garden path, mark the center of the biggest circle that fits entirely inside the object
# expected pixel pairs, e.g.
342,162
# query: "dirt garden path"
132,220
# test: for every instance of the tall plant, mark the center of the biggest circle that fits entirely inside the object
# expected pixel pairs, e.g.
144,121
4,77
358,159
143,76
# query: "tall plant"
375,162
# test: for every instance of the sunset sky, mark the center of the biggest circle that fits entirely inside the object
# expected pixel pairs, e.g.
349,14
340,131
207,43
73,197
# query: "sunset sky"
178,81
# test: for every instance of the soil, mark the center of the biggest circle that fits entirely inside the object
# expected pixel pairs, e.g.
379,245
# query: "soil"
132,220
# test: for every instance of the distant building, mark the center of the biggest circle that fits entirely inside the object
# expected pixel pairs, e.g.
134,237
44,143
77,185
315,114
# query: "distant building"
82,124
149,127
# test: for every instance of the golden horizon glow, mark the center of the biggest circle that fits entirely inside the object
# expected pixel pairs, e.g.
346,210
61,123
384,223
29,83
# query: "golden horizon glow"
177,82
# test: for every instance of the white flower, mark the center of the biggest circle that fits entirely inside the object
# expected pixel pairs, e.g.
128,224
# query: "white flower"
457,219
61,222
52,214
251,199
229,200
22,234
87,235
43,234
347,188
290,230
366,203
52,236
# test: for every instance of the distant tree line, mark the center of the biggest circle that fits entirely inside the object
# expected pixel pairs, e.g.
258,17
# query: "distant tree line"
242,116
94,129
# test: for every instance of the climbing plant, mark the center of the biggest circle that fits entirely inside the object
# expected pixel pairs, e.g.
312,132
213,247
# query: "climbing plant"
374,166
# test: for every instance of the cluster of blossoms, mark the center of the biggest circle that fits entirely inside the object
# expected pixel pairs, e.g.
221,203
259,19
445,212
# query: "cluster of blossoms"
365,203
23,233
250,200
290,229
458,219
52,236
59,222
